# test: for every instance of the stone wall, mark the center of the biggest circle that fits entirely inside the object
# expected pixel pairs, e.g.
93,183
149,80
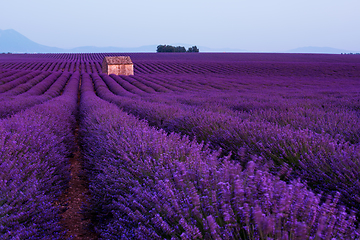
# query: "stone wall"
119,69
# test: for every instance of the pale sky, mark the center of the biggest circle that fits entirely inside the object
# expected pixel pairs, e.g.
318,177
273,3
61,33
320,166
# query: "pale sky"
253,25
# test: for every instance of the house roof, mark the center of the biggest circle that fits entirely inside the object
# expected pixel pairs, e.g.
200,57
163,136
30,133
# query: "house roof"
120,60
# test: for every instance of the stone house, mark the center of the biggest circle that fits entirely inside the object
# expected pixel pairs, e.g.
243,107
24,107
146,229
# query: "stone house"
121,65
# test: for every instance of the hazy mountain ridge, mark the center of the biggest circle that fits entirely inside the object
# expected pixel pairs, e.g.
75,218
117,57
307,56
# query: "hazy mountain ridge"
14,42
312,49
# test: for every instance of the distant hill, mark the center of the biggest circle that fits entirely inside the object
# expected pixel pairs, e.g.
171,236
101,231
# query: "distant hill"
318,50
12,41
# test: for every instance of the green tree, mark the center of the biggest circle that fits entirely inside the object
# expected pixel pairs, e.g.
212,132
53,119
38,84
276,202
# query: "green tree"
169,48
193,49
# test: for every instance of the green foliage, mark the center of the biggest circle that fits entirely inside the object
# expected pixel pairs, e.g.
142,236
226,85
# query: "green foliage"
169,48
193,49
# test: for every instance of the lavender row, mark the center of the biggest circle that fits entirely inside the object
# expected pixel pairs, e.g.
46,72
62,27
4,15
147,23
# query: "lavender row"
28,78
315,111
42,86
12,75
337,122
158,87
58,86
143,85
7,75
166,83
17,79
340,94
38,94
35,66
327,164
35,145
21,88
179,82
119,81
146,184
89,67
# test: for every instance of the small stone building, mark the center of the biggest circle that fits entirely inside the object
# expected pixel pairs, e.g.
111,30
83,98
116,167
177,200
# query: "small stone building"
121,65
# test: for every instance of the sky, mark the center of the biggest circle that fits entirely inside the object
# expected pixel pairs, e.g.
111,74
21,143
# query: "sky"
253,25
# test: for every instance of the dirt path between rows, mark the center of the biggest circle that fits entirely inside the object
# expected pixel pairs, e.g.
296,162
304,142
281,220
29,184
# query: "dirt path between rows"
76,196
73,199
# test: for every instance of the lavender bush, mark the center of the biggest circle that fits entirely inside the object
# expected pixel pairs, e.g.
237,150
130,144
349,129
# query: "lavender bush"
314,157
21,88
146,184
12,84
42,86
34,147
10,79
14,104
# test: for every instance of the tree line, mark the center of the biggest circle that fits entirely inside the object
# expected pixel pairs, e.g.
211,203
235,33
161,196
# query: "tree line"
169,48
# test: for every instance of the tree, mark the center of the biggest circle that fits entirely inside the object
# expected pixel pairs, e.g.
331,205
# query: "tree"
169,48
193,49
180,49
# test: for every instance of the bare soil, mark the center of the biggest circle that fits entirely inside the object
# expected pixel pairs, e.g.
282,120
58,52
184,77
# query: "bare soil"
74,198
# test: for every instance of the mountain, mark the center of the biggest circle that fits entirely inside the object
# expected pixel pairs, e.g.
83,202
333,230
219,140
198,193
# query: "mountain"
12,41
317,50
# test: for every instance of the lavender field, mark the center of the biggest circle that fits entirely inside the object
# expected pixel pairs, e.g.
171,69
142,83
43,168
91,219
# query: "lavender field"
193,146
